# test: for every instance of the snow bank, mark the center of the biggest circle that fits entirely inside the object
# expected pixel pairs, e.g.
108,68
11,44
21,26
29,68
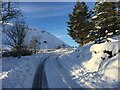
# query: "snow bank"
102,62
100,53
103,65
19,73
95,66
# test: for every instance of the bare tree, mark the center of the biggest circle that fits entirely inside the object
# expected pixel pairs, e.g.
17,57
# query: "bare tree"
34,44
9,10
16,34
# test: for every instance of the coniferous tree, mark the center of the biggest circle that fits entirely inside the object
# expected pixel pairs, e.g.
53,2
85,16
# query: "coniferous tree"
79,23
117,22
105,19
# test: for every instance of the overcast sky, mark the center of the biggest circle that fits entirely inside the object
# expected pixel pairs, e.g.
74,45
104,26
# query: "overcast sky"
50,16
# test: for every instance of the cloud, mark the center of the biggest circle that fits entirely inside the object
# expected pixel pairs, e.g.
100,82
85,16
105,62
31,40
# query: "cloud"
44,10
48,15
35,8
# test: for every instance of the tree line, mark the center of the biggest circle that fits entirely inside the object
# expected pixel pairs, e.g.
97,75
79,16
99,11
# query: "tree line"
98,24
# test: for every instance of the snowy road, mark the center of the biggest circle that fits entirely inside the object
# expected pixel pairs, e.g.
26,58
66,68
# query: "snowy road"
52,74
40,80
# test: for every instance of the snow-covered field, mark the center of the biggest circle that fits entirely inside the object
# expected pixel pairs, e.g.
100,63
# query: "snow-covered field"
91,66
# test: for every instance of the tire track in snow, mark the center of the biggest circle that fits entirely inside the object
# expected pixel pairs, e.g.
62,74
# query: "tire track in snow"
40,80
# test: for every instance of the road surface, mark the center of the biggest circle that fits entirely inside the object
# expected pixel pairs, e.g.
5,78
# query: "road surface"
40,80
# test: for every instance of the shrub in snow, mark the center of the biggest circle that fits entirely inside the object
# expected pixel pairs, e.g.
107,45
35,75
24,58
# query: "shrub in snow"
16,53
58,47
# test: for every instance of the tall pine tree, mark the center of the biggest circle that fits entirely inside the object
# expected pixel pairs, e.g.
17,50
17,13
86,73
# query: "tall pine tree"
105,19
78,23
117,22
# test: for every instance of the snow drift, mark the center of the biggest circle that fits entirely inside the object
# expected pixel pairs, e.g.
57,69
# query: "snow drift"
95,66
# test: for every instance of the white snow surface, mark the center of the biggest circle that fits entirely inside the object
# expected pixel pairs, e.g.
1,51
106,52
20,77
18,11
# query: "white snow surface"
94,17
91,67
87,67
19,73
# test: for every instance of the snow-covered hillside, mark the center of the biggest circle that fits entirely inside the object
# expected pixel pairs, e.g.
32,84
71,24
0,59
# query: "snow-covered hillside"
52,41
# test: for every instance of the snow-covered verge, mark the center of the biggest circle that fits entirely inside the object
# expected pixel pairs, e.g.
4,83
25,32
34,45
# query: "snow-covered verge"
94,66
19,73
